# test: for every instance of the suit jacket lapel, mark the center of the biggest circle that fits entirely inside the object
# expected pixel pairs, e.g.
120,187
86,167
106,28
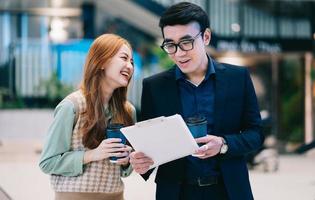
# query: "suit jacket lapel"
221,84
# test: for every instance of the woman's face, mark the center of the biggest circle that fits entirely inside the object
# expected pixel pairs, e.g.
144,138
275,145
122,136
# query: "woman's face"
119,70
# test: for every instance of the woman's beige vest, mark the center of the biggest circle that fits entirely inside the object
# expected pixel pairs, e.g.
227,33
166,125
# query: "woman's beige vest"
100,176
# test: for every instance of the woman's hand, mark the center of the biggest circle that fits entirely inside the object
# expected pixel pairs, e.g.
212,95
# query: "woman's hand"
125,160
107,148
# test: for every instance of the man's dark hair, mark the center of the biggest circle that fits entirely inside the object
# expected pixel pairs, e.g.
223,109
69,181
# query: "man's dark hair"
183,13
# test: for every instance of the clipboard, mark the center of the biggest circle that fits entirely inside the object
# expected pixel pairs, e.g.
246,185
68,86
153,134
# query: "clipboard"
163,139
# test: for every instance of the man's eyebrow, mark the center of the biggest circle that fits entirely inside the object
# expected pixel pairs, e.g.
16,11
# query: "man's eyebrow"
185,37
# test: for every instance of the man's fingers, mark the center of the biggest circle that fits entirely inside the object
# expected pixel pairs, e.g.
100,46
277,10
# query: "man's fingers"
138,155
207,149
142,165
141,161
205,156
206,152
141,170
204,148
204,139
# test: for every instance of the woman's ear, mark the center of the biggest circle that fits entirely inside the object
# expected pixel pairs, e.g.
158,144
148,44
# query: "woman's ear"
207,36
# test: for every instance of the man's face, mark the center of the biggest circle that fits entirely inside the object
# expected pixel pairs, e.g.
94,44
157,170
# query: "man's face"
189,61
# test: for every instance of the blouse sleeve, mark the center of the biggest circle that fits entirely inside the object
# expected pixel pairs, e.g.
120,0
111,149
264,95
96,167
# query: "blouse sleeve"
56,157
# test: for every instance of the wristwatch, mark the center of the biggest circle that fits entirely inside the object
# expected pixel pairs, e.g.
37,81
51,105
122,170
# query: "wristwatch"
224,147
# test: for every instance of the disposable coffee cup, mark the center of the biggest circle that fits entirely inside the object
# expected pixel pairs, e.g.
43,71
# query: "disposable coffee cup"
113,131
197,127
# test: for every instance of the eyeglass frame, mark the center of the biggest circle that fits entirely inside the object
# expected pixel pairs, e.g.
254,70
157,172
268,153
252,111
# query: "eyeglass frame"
178,44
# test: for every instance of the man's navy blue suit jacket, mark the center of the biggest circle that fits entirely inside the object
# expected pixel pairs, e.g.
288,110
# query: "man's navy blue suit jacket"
236,118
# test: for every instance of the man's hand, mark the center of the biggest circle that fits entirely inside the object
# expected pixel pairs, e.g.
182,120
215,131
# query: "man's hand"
140,162
211,147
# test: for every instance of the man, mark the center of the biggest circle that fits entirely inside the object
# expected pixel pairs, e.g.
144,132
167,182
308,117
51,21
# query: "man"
198,85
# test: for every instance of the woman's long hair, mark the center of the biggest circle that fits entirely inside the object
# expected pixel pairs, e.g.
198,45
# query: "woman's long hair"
103,49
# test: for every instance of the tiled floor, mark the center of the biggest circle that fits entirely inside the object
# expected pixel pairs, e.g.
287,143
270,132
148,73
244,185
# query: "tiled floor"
21,178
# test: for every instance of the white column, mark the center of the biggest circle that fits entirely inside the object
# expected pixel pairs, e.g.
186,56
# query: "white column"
308,99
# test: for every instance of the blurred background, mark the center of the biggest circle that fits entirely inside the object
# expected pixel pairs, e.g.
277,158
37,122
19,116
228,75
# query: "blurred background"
43,45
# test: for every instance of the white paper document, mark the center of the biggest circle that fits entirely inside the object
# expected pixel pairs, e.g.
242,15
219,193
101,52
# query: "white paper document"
163,139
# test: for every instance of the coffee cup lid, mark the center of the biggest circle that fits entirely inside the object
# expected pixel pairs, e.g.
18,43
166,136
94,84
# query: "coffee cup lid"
115,126
195,120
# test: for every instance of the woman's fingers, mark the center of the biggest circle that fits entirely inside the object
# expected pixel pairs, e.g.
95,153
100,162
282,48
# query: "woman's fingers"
128,148
118,154
112,145
111,140
122,149
115,144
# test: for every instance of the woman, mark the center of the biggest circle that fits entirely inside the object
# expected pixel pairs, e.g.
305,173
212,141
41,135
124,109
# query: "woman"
76,152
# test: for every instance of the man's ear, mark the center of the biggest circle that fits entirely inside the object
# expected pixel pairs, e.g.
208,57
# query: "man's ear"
207,36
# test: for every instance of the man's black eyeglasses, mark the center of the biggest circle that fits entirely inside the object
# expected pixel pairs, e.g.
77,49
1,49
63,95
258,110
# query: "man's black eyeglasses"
184,45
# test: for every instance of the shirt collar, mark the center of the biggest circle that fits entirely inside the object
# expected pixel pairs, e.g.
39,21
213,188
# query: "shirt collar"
210,70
